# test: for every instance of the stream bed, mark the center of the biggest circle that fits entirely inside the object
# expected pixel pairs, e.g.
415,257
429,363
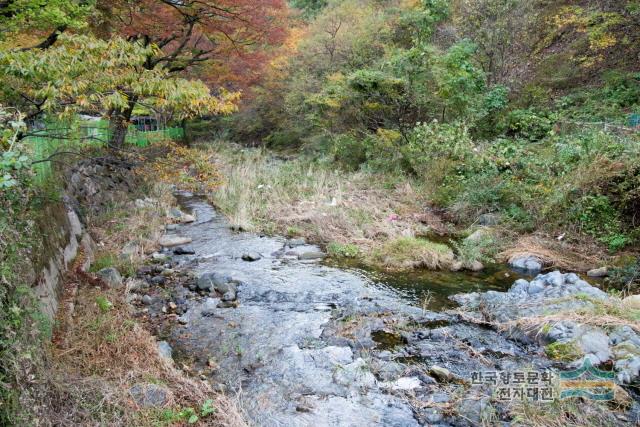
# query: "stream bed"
304,343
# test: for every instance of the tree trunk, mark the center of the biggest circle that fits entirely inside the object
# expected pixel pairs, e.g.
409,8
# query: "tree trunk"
119,124
186,138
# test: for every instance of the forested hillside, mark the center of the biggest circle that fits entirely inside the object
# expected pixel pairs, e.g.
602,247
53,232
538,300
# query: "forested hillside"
527,109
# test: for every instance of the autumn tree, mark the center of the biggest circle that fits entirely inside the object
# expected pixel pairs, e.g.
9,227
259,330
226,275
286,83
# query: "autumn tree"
502,31
64,56
189,35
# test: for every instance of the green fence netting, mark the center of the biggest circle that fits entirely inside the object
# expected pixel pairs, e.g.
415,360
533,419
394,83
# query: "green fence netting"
52,137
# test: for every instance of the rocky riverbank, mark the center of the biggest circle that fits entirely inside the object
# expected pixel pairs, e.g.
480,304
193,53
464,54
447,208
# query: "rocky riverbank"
304,343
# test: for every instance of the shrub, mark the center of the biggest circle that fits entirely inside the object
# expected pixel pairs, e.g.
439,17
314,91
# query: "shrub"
339,250
410,252
565,352
349,151
441,152
528,124
597,217
481,248
622,89
627,275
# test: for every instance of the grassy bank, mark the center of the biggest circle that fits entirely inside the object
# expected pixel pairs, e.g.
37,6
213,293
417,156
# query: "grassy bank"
389,220
80,370
352,214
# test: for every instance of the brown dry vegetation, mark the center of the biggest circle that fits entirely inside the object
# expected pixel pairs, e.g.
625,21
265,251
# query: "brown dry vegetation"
100,350
388,218
326,205
574,256
98,355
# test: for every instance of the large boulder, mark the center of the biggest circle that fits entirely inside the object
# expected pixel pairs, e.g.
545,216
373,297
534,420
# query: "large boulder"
221,283
566,340
164,350
529,263
547,293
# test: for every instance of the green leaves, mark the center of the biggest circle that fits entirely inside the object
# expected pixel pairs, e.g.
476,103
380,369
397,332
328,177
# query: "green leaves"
29,15
81,73
458,80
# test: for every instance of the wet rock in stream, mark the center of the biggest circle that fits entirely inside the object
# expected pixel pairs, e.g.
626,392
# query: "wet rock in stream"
313,345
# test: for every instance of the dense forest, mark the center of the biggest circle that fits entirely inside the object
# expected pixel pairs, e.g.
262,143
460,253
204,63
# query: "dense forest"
447,145
521,108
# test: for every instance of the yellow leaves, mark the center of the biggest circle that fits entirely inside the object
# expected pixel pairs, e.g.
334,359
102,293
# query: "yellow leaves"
602,41
570,15
336,78
595,24
191,169
411,4
91,73
388,135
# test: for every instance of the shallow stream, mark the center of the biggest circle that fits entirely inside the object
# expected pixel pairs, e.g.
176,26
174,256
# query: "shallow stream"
309,343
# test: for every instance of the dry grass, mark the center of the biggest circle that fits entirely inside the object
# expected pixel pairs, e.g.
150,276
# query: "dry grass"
100,351
98,355
127,223
604,314
580,256
563,413
318,202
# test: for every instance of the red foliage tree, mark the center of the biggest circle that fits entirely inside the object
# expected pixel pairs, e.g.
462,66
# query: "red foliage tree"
205,38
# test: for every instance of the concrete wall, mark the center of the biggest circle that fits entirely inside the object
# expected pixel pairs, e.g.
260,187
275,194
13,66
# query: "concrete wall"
63,238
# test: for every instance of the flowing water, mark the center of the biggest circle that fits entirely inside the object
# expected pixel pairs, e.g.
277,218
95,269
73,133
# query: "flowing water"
308,343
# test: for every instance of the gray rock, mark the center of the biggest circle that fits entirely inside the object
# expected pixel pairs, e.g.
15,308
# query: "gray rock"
292,243
173,240
476,266
555,278
251,256
404,384
432,415
623,334
311,255
489,219
479,235
158,280
562,331
187,219
440,373
595,342
129,250
571,278
147,300
535,287
627,368
111,277
542,295
156,256
231,295
183,251
165,350
217,281
354,374
475,410
598,272
439,398
526,262
150,395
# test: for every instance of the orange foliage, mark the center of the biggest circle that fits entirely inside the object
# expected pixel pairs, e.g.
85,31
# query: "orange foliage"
222,42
